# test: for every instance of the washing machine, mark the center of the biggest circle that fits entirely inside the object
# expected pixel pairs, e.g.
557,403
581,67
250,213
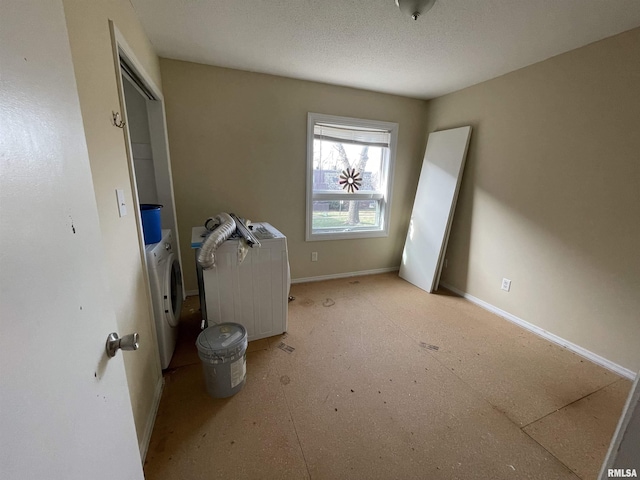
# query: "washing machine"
165,279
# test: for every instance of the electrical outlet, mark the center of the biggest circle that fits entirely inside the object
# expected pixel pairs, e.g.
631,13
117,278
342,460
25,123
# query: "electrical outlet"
506,284
314,256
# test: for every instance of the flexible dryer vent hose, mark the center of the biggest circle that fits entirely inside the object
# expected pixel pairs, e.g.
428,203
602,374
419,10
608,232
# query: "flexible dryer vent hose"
207,257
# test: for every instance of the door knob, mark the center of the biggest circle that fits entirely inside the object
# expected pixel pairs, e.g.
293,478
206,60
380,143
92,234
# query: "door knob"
128,342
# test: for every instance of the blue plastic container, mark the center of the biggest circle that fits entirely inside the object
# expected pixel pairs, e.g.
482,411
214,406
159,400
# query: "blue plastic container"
151,227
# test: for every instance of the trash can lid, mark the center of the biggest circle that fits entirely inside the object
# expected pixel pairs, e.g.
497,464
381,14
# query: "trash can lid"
221,337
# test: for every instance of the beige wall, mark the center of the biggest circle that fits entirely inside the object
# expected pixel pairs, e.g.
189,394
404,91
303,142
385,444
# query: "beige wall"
238,144
90,41
550,198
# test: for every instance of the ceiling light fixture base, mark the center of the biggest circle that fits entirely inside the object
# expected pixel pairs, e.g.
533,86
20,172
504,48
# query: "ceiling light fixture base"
414,8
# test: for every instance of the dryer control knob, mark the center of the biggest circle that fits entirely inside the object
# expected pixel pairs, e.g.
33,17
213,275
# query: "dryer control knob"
167,246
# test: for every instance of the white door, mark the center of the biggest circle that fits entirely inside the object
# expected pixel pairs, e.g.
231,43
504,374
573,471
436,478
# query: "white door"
64,406
433,207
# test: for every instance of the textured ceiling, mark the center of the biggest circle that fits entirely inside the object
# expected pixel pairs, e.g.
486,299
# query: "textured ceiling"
370,44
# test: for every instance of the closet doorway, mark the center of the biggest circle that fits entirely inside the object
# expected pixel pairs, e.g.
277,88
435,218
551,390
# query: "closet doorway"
146,136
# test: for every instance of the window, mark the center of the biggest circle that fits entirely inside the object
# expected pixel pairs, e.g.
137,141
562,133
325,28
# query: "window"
349,177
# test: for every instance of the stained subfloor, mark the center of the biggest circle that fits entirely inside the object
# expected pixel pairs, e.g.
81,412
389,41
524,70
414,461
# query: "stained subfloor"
376,379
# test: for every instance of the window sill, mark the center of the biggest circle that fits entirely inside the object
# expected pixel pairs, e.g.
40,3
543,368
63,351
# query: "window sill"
315,237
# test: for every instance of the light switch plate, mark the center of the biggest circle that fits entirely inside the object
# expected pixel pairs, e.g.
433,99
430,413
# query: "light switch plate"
122,206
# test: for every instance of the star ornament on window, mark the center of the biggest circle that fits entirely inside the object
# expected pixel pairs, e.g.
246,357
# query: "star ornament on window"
350,180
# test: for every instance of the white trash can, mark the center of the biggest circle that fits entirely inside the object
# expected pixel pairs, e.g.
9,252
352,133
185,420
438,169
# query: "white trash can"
222,349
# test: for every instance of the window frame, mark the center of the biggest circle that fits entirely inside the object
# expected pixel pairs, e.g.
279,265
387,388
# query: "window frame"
385,198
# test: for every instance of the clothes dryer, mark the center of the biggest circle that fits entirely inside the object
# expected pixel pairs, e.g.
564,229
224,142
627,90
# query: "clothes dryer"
254,291
165,279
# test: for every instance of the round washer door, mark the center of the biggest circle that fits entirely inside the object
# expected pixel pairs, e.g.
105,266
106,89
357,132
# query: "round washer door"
172,290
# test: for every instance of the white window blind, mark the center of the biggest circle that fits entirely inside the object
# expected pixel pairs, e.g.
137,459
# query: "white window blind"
352,135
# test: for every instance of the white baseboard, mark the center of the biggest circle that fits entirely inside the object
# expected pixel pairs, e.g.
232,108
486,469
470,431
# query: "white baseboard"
151,420
583,352
343,275
192,293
